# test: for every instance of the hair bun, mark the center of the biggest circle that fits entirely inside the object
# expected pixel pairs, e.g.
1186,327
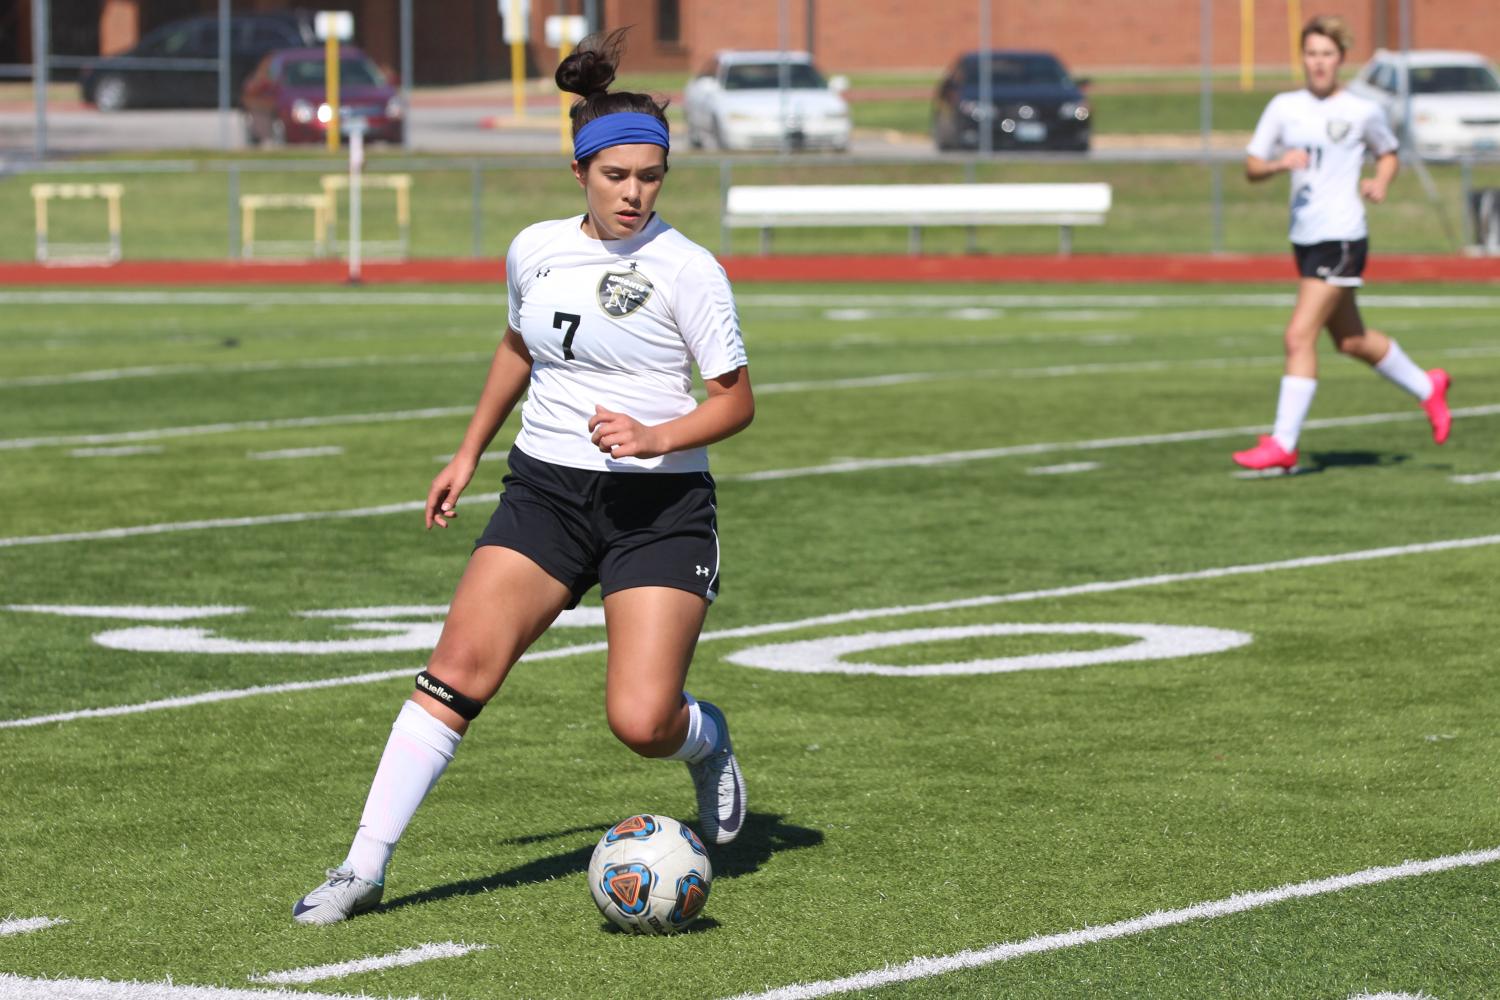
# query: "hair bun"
590,69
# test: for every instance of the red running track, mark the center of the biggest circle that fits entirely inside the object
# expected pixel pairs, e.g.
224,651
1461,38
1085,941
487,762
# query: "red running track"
1104,268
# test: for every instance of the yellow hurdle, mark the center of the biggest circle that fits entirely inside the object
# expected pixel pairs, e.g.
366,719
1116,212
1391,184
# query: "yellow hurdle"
252,203
42,195
399,183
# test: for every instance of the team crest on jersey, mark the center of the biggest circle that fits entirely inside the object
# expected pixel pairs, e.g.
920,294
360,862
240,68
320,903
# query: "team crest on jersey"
1338,129
623,292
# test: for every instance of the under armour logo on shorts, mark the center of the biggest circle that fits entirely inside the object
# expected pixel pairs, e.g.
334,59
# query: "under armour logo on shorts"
703,571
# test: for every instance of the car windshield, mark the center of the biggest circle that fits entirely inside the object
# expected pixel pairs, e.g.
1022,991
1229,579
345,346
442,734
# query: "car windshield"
309,73
1008,71
1453,80
767,76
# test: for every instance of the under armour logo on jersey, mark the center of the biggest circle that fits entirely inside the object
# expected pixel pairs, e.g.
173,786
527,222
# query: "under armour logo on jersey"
634,265
703,571
543,272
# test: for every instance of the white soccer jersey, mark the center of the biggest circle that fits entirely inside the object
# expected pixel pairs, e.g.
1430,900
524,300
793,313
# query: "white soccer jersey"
618,324
1335,132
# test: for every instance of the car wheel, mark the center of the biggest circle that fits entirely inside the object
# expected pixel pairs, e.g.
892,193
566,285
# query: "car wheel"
111,93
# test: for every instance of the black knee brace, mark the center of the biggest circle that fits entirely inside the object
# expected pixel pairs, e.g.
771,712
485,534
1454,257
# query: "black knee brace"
465,706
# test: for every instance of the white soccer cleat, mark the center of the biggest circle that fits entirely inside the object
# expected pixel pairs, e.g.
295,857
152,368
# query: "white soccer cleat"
344,895
720,786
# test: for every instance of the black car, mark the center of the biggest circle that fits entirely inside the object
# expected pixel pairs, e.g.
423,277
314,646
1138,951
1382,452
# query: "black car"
1034,104
117,82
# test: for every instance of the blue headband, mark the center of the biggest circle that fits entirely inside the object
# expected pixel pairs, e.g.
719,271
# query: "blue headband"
618,129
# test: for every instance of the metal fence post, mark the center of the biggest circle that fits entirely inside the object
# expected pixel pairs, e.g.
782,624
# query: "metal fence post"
1466,173
223,57
41,16
406,73
1216,239
234,211
726,175
476,187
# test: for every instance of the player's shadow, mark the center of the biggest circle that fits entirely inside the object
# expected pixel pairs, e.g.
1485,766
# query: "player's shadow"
1324,460
763,836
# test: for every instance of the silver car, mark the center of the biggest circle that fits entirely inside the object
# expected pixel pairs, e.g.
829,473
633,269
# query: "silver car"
1455,99
765,100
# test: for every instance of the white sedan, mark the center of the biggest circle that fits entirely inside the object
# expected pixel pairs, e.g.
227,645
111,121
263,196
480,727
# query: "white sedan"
1455,99
765,100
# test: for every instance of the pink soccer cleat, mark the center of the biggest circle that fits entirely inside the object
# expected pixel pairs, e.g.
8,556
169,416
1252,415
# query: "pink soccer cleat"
1267,454
1436,405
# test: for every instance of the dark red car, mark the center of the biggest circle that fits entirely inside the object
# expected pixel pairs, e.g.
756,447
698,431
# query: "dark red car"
285,98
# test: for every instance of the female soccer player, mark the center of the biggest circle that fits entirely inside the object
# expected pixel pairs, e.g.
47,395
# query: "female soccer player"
608,480
1324,132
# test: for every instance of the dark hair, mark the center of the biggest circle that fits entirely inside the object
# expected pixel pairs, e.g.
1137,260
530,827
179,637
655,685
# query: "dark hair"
589,71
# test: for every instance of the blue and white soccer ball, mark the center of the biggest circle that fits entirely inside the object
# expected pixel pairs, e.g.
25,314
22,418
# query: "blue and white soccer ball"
650,875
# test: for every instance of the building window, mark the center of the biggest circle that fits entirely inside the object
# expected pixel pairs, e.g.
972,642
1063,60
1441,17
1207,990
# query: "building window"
668,22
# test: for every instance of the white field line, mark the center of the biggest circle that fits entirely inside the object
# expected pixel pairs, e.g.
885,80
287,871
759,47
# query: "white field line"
1062,470
858,614
832,468
321,451
808,385
1474,478
130,612
232,522
25,925
1010,451
310,364
281,423
769,388
406,956
1142,300
14,987
121,452
925,968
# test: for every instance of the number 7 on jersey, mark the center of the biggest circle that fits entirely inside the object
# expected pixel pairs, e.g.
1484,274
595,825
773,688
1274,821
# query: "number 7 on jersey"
572,320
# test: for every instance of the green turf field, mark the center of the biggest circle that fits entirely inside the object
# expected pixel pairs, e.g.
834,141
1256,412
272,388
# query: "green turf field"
996,460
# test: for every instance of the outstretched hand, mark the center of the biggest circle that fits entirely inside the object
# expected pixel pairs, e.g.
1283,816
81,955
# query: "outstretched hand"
619,435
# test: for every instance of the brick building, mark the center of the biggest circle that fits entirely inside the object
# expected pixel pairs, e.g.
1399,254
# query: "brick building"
460,40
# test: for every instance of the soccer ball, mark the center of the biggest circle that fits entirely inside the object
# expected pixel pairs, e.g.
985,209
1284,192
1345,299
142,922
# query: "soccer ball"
650,875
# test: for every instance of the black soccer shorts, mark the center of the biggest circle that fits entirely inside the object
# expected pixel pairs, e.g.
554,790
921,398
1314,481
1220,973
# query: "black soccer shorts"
617,529
1338,262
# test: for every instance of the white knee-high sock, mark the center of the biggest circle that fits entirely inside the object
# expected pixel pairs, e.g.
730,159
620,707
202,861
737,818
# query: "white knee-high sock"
702,735
1405,372
419,749
1291,409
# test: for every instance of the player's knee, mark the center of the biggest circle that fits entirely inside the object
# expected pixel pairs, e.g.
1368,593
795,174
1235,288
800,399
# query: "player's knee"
648,733
461,669
1298,339
1354,347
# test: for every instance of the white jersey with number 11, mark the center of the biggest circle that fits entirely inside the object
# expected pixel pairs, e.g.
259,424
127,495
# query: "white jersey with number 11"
1335,132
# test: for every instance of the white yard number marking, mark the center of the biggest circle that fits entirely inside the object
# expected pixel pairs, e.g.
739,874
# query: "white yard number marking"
826,656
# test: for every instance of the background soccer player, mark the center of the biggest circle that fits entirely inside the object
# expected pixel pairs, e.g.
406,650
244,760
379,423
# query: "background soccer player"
1324,132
